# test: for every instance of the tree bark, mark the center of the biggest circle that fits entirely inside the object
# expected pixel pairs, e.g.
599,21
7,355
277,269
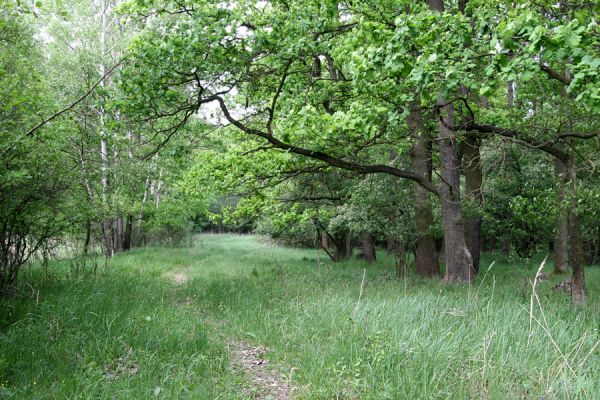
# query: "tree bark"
107,223
561,257
390,246
474,182
139,229
575,248
128,233
368,247
118,235
343,247
459,263
426,260
88,237
324,241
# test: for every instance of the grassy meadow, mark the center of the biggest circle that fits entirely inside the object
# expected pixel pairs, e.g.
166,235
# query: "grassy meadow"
155,323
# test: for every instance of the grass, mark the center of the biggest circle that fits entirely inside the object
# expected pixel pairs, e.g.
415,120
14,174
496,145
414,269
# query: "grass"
131,332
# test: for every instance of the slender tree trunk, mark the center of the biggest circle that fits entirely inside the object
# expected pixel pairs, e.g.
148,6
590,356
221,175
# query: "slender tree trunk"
324,241
561,244
107,223
88,237
474,182
575,248
118,234
368,247
459,263
139,230
128,233
426,260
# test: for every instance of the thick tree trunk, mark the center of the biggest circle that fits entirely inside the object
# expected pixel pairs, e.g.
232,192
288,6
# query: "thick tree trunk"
368,247
474,182
561,257
426,260
459,263
343,247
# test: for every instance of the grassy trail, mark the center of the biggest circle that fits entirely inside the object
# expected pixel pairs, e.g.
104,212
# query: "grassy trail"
165,323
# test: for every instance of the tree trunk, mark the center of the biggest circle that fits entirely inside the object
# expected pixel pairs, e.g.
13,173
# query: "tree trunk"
390,246
324,241
426,261
107,223
118,235
561,243
88,237
506,245
575,248
343,247
368,247
139,229
459,263
474,182
128,233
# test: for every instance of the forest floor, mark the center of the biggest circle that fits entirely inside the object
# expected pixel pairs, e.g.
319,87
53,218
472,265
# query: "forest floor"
235,317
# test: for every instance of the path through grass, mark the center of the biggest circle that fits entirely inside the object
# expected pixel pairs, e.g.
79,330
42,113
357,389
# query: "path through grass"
157,324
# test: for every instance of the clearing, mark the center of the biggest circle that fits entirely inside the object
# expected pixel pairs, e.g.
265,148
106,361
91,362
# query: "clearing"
234,317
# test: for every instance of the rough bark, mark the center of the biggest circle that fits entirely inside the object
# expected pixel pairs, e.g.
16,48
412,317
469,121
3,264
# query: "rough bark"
561,257
426,261
473,183
343,247
459,263
368,247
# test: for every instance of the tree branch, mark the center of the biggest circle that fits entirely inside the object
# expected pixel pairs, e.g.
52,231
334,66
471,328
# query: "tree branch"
331,160
79,100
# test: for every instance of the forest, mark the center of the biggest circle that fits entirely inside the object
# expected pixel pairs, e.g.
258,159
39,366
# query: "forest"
282,199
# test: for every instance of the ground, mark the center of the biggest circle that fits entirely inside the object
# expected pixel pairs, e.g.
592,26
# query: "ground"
236,317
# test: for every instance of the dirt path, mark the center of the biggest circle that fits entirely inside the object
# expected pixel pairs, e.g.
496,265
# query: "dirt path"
265,382
179,277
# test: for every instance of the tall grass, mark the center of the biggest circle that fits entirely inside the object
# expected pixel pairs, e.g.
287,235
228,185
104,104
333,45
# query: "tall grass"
132,332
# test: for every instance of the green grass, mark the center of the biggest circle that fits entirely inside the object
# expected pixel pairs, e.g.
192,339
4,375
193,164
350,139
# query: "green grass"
130,332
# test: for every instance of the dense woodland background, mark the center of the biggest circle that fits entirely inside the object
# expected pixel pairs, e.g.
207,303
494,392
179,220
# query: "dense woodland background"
432,134
438,129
